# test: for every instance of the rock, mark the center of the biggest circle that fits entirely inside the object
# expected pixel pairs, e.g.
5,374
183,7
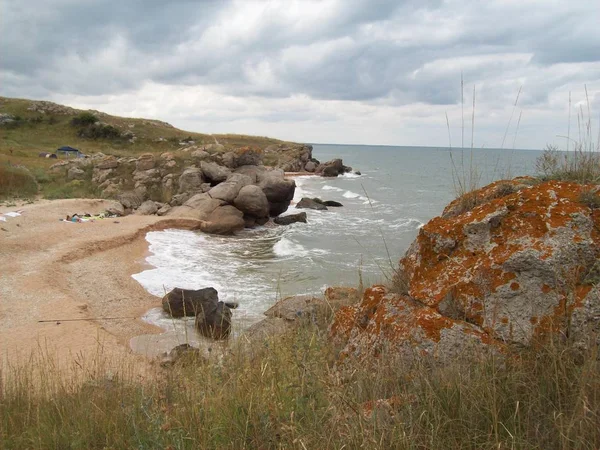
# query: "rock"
289,157
338,296
145,162
130,200
333,168
310,166
290,219
180,199
224,220
164,210
254,172
183,354
59,166
191,180
516,261
200,155
107,163
357,172
266,329
252,201
147,208
309,203
279,192
407,329
187,303
214,321
214,172
199,207
213,148
248,156
75,173
115,209
296,307
229,160
229,189
332,203
167,156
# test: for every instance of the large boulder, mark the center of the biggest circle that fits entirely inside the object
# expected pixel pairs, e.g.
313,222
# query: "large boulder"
130,199
248,156
214,321
254,172
224,220
147,208
409,330
517,265
213,172
75,173
191,180
279,191
290,219
145,162
309,203
199,207
109,162
115,209
252,201
186,302
229,189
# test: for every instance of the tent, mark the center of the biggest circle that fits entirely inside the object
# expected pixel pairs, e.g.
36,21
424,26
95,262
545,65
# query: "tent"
69,152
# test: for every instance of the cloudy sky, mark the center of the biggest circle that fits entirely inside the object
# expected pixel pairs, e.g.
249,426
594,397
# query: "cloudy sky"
330,71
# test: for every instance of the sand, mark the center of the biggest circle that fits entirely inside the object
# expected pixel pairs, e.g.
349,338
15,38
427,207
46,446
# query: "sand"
53,270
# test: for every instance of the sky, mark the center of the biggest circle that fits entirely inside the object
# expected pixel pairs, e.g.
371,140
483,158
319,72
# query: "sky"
374,72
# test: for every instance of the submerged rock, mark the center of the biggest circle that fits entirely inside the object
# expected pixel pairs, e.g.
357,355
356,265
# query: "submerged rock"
290,219
309,203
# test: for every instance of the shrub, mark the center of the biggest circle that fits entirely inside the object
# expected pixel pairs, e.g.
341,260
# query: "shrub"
84,119
99,131
17,181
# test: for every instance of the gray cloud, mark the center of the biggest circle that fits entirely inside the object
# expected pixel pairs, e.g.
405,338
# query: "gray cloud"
369,52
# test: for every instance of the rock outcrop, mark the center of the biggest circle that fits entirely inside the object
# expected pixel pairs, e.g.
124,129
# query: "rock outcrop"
333,168
511,263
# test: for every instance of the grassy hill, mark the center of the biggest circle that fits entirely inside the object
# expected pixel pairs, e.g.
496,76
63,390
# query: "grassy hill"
29,127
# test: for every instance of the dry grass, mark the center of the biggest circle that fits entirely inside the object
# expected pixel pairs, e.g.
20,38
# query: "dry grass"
287,393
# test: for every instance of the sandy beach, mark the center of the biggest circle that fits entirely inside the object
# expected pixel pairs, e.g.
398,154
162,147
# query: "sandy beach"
55,271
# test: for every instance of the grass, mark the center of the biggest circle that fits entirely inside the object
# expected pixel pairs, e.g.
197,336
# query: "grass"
582,163
33,132
17,181
288,392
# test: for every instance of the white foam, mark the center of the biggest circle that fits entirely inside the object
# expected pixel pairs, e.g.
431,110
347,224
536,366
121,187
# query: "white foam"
350,194
331,188
350,175
286,247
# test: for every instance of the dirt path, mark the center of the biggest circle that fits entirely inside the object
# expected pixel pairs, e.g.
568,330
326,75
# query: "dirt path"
56,270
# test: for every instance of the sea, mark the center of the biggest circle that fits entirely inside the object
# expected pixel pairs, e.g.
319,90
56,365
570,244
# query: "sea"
397,191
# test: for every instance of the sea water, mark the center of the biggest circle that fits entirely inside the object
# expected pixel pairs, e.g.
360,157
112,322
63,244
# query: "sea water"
399,189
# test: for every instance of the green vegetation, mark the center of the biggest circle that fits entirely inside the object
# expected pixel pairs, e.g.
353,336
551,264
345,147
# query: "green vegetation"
288,393
16,181
43,127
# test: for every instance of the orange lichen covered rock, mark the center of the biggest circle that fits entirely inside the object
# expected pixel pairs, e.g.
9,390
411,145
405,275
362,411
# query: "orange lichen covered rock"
384,321
515,265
